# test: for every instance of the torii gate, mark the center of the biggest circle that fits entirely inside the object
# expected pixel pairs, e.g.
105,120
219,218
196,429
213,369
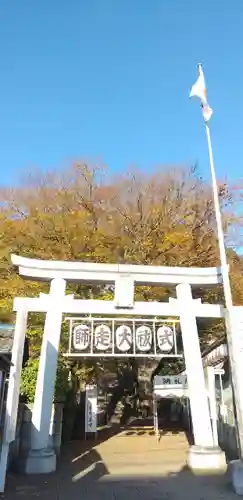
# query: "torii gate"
203,455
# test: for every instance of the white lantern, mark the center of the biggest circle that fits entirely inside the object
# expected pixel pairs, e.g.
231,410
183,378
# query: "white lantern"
102,337
81,337
165,338
123,338
144,338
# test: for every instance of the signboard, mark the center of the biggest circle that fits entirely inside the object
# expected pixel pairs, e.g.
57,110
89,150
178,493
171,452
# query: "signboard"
102,337
171,385
165,338
144,338
124,337
90,409
81,337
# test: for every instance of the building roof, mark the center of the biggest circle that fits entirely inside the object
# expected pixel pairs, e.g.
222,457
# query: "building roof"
215,354
221,340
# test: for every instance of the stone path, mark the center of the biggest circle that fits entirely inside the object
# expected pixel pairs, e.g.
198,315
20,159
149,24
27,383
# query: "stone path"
130,465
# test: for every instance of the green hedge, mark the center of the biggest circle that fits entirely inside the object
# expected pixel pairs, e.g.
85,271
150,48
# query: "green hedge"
29,379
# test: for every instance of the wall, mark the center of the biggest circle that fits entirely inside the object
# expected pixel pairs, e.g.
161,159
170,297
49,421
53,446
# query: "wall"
20,447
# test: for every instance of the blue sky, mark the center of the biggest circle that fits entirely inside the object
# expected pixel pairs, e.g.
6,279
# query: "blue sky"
109,80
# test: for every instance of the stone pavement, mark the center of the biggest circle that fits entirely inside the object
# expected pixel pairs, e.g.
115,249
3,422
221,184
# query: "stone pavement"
129,465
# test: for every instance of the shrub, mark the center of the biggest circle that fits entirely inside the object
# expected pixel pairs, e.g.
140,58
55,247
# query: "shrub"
29,379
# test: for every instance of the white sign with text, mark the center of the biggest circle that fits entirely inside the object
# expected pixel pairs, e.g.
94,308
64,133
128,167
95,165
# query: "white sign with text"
91,409
136,337
170,385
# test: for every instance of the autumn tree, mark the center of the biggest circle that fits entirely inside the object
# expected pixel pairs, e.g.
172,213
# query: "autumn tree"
85,213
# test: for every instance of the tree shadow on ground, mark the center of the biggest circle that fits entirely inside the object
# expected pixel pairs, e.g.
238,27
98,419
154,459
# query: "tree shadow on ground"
90,480
82,474
80,459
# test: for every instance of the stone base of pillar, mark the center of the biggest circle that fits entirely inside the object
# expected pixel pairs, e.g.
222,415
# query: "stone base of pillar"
236,476
37,462
206,461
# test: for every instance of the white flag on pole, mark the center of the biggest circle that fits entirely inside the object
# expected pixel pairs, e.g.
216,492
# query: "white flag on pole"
199,91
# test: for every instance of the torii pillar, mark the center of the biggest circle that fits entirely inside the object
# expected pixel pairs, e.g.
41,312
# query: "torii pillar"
204,456
41,458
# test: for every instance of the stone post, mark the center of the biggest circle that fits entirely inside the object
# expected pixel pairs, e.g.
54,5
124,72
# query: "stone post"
210,376
42,459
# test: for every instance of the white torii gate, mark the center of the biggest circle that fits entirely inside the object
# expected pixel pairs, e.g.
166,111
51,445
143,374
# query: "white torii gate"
203,455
